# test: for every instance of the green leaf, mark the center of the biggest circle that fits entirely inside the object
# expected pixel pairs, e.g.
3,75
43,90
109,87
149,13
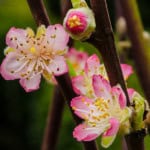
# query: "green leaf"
106,141
78,3
138,101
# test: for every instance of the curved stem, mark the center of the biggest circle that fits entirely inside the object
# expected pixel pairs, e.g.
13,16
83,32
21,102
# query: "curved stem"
39,12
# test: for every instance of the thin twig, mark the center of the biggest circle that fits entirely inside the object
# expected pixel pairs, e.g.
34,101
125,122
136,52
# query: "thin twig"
39,12
67,90
122,36
103,39
54,121
139,45
65,6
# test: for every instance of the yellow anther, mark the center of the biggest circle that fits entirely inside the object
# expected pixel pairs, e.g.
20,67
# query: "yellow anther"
74,21
83,99
101,104
53,36
32,50
74,108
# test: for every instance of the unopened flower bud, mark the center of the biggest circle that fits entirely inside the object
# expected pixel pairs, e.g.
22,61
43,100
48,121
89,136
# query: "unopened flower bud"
79,23
121,26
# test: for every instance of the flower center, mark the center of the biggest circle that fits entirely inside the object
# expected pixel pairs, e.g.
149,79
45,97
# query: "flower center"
33,50
99,112
74,21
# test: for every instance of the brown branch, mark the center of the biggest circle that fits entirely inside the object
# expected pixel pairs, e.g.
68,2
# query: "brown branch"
39,12
54,121
135,141
65,6
67,90
139,45
103,39
64,82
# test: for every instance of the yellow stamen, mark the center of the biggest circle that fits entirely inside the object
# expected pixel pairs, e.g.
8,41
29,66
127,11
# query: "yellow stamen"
32,50
74,21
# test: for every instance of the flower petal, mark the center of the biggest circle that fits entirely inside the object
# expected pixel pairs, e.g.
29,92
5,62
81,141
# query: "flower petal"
10,65
80,105
77,59
130,93
101,87
79,85
114,127
92,65
31,84
120,96
57,37
127,70
58,66
17,38
85,133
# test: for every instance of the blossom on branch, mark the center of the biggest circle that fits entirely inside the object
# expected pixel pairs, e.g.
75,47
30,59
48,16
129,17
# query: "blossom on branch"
102,107
82,83
28,56
103,113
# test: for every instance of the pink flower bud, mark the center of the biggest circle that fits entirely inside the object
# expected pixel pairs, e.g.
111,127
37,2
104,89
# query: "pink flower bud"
76,22
79,23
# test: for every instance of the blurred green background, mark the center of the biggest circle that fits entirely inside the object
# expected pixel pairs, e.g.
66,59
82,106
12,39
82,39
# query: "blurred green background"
23,115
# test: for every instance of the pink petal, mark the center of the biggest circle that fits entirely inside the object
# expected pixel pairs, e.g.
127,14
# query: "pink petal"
92,65
31,84
101,87
83,21
78,83
58,66
16,38
84,133
57,37
80,105
77,55
10,65
113,128
119,94
127,70
77,58
130,93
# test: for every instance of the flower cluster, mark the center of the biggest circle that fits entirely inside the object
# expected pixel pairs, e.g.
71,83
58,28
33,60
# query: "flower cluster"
102,107
28,56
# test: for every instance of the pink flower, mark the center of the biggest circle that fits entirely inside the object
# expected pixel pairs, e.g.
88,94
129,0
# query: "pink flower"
28,56
102,107
103,112
82,83
76,60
